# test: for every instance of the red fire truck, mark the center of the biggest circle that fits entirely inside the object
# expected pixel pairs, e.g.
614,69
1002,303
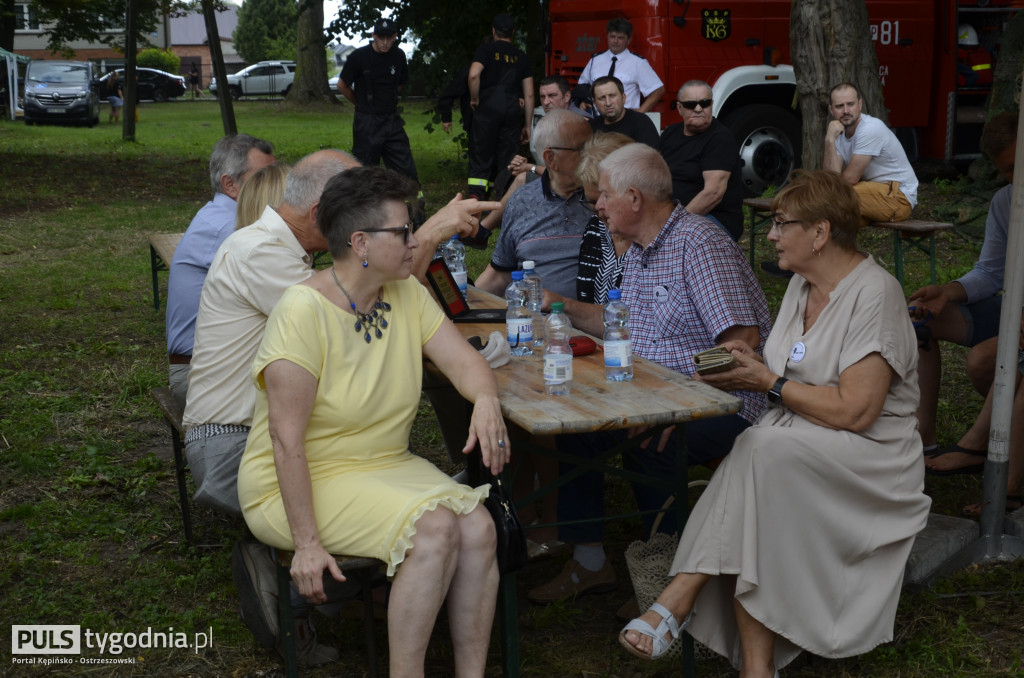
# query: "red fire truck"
742,49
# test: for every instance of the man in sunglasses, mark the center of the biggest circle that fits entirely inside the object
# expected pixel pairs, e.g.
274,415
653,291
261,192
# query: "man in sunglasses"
704,160
615,117
870,158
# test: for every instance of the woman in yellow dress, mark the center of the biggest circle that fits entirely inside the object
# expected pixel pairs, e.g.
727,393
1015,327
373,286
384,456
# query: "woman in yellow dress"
327,468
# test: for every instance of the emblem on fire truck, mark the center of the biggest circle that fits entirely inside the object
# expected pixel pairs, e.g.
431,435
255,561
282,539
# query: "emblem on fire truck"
715,24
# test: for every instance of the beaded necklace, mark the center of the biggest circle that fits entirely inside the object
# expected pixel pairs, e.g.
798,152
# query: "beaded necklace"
374,318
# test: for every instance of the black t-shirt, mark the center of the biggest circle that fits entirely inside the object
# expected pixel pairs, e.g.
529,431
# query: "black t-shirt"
636,126
504,64
375,78
688,157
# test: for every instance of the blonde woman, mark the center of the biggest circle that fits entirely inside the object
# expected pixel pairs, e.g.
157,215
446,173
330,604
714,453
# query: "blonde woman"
264,188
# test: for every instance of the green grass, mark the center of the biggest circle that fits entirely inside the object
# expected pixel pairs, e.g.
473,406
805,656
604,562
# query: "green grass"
90,532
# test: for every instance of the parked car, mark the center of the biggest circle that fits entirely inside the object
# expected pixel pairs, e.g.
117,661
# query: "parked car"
332,82
61,91
266,77
153,84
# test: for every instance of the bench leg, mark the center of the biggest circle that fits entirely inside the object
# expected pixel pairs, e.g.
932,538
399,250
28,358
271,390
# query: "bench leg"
897,252
154,264
179,471
287,623
508,611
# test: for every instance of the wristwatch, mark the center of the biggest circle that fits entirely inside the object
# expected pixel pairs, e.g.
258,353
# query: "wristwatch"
534,169
774,394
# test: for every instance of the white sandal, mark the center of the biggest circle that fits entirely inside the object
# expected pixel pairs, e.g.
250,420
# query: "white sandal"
668,624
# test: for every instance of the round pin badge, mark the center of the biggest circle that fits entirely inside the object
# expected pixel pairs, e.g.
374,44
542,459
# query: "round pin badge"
796,354
660,294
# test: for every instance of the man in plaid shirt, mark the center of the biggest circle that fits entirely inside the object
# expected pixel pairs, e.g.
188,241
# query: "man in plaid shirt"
688,288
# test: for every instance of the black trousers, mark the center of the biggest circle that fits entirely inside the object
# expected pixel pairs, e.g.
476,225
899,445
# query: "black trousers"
493,138
377,137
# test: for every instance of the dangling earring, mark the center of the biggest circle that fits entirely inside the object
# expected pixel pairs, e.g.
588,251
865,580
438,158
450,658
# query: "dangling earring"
365,264
813,251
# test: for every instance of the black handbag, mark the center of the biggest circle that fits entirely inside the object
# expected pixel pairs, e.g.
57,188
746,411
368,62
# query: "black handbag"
512,554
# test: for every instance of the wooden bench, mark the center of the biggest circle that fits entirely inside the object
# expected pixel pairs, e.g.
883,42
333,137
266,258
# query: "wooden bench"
161,252
909,235
361,574
172,414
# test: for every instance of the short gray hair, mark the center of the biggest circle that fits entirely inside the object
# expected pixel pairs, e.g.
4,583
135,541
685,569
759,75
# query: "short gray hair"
307,179
641,167
553,127
231,157
694,83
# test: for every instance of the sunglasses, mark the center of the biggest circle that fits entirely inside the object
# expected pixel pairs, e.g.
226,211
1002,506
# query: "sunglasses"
690,105
404,229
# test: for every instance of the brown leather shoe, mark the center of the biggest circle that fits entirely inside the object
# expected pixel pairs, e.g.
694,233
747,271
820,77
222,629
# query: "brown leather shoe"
563,587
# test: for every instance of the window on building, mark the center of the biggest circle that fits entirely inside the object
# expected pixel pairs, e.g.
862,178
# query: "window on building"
25,18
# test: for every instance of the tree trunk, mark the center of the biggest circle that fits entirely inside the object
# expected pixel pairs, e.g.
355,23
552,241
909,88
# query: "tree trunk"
227,109
310,82
131,78
830,43
7,24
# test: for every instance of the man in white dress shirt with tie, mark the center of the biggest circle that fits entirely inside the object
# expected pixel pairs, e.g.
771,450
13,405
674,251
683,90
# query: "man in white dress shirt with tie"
643,88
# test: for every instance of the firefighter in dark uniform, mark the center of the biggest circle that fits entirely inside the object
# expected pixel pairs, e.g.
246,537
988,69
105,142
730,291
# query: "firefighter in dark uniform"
371,78
498,74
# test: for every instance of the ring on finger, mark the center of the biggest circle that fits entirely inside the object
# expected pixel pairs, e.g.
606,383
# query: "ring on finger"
501,443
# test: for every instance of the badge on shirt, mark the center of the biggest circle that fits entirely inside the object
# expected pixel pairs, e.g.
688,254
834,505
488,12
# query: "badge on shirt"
660,294
796,354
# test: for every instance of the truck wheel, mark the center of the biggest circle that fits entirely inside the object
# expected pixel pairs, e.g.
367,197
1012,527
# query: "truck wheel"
769,141
159,96
236,92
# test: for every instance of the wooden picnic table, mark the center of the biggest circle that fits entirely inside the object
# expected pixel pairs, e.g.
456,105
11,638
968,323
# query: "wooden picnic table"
655,397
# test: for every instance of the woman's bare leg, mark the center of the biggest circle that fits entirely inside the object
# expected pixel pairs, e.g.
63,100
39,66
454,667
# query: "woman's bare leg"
678,597
473,593
758,645
419,589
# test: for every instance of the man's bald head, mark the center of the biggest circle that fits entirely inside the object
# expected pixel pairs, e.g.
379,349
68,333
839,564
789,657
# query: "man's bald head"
307,179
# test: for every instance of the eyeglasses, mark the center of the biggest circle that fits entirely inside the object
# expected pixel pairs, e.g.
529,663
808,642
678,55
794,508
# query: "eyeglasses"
777,225
690,105
589,204
404,229
566,148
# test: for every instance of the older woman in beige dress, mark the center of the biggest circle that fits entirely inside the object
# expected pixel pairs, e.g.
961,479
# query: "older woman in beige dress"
801,539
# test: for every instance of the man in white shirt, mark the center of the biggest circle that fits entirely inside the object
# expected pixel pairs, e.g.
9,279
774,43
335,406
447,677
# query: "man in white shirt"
870,158
641,85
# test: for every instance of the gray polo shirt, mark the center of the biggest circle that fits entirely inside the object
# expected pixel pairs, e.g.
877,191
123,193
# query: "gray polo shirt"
546,228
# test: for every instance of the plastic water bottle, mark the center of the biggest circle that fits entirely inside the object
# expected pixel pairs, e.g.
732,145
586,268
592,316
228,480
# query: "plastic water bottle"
518,319
618,351
536,297
557,352
455,257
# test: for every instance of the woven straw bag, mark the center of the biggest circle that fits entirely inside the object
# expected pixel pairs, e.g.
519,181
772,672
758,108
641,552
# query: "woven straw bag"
649,562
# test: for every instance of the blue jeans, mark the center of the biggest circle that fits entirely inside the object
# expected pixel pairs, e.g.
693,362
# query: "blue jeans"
583,497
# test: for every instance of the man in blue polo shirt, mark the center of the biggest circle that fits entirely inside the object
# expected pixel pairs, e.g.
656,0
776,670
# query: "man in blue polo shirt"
234,158
545,219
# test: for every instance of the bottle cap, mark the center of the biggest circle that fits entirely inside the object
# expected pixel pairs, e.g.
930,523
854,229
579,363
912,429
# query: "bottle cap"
455,237
558,307
614,294
528,265
517,275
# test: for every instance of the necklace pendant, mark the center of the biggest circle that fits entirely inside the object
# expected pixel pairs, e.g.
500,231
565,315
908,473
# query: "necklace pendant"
359,326
383,323
366,337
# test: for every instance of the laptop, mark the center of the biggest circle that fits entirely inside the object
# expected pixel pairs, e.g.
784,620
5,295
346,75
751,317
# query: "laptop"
452,300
